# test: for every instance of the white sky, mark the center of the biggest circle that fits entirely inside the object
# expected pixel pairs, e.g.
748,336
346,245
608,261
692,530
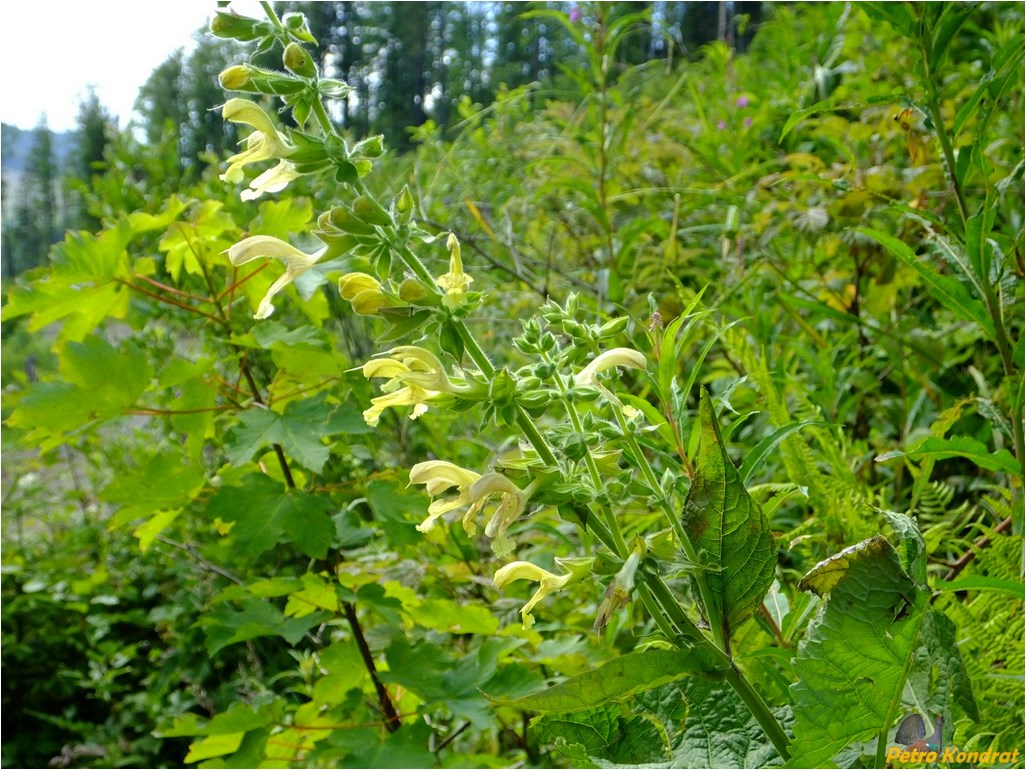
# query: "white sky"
51,51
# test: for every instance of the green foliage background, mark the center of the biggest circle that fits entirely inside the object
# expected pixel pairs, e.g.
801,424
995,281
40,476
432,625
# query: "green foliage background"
836,219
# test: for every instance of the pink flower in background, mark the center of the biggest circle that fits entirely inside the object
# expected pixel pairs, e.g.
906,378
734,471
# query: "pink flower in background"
748,122
742,101
721,125
575,14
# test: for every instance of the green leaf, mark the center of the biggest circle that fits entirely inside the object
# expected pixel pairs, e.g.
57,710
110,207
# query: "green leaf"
857,652
266,514
618,679
397,510
214,746
729,530
1014,588
87,393
935,448
603,734
448,616
709,726
299,430
762,450
798,116
896,14
948,291
947,670
225,625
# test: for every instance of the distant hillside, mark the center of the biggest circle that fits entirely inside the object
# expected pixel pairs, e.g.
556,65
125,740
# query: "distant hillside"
17,144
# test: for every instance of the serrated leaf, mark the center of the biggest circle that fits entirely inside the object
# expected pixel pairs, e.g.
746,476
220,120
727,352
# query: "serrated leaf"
728,528
709,726
256,617
397,510
618,679
266,514
604,734
857,653
214,746
448,616
298,429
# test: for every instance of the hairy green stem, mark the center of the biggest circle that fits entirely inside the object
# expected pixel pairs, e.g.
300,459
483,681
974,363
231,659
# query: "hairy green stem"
769,723
678,527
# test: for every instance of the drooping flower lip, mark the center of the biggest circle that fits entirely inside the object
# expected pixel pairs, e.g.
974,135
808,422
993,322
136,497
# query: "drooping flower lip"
264,143
260,246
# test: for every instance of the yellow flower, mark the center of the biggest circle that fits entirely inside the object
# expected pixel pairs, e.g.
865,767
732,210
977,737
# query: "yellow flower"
275,179
363,292
512,501
474,491
415,376
455,282
588,376
548,581
439,477
264,143
620,588
296,263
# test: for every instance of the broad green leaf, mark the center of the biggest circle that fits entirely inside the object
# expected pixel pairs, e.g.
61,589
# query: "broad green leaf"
282,218
948,291
604,734
953,17
239,718
316,594
857,653
448,616
376,748
214,746
266,514
397,510
87,392
946,670
935,448
256,617
729,530
299,429
618,679
709,726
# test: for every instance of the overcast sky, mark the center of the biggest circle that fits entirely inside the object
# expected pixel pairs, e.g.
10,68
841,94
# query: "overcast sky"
50,52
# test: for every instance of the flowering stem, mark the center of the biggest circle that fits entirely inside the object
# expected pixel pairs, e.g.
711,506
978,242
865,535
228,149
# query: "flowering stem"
685,542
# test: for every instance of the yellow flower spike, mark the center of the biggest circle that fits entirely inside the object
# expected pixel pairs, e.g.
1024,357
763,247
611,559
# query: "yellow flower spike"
455,282
259,246
265,143
415,376
439,477
548,582
588,376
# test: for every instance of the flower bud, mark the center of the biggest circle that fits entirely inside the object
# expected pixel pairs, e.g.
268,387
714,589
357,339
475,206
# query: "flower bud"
235,78
411,290
298,61
404,204
371,147
351,284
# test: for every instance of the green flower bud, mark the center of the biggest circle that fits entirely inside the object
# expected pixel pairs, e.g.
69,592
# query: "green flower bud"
229,25
298,61
371,147
503,386
612,328
404,204
370,211
411,290
235,78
